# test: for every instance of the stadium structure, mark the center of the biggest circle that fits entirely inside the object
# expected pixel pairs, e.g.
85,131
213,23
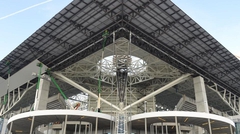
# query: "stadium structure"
121,67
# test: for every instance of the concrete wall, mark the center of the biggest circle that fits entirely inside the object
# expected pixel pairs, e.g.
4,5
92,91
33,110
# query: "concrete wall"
20,77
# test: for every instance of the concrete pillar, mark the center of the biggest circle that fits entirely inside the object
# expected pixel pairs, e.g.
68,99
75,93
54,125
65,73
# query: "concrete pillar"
4,125
41,97
200,98
200,95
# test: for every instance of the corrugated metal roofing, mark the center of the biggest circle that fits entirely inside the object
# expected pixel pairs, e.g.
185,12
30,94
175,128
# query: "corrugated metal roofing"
186,45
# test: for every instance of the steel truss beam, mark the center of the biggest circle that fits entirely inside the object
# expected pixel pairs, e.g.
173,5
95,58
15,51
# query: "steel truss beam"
83,50
87,32
67,46
15,96
133,14
144,41
139,39
232,100
159,32
151,68
183,44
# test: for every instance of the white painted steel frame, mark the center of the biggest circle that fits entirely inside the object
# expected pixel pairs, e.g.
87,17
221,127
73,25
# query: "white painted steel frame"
69,81
60,112
196,115
175,82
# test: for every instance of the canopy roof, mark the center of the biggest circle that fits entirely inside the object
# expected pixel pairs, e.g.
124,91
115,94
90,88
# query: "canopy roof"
172,36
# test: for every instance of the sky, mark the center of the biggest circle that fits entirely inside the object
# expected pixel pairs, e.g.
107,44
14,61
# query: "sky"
220,18
19,19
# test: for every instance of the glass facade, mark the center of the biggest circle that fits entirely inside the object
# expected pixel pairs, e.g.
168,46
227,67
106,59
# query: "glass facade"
237,129
1,124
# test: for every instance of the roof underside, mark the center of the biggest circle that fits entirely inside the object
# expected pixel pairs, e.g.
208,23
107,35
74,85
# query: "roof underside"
173,36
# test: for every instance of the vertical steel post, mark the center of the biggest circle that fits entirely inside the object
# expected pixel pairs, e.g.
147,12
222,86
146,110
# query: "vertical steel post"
145,125
85,129
75,131
80,128
166,129
176,124
65,124
162,127
231,130
210,127
156,128
31,128
96,125
19,93
10,129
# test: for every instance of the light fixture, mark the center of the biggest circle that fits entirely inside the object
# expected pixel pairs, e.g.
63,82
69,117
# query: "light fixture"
18,131
186,119
207,123
161,119
218,128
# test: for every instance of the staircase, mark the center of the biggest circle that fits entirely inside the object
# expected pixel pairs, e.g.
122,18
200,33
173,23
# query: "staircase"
121,123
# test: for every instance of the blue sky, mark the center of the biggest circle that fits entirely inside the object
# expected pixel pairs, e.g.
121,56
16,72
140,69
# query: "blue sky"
16,28
219,17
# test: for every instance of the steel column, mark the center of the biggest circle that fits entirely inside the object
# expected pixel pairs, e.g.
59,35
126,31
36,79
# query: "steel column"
96,125
80,128
65,125
209,126
31,128
10,129
145,124
166,129
176,124
162,127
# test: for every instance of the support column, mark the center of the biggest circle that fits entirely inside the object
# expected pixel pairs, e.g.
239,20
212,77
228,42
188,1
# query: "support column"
4,125
166,129
80,127
200,94
156,128
91,128
145,122
75,131
10,129
162,128
201,97
65,124
231,130
86,126
176,125
179,128
19,93
31,128
41,97
151,129
209,126
96,126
